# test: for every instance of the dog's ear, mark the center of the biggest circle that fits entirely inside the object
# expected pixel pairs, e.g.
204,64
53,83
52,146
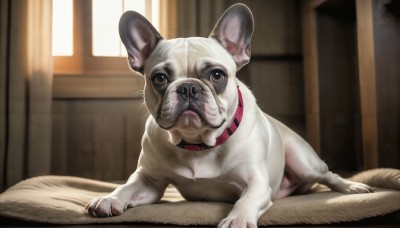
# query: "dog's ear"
139,37
234,31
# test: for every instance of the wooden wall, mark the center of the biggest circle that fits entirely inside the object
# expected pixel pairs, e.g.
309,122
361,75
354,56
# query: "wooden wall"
275,72
338,85
386,33
351,52
98,122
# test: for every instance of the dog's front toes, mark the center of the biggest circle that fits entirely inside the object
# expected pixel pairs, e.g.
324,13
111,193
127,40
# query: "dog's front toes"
357,188
104,206
232,222
351,187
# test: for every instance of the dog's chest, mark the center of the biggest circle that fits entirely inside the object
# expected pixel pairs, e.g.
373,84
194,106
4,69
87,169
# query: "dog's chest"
207,180
194,168
209,189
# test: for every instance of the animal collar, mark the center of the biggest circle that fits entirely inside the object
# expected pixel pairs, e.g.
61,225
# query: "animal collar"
232,127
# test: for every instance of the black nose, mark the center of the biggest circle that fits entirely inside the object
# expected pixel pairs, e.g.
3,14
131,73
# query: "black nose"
189,90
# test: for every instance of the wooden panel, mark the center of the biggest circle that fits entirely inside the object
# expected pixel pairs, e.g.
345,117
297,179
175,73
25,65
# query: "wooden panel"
97,139
275,70
338,86
105,85
277,86
367,81
387,58
59,138
134,128
311,81
277,27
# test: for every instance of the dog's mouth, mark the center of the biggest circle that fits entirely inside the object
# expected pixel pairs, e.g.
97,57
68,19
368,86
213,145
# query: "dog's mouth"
187,117
190,119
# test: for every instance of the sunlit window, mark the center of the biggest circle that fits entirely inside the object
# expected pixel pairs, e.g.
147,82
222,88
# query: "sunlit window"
62,28
105,18
106,14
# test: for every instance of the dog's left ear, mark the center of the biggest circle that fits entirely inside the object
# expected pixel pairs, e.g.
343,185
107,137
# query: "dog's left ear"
234,31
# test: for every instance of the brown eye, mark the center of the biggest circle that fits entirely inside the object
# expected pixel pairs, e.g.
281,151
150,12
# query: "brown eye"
160,79
217,76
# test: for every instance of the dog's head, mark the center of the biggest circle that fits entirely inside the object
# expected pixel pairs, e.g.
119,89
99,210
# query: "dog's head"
190,85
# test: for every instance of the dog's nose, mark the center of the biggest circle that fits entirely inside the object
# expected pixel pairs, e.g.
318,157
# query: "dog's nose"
189,90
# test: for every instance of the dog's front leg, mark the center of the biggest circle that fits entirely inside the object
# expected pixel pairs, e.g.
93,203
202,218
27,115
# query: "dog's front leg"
138,190
254,201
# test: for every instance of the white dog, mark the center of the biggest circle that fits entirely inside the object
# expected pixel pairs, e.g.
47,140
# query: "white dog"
206,135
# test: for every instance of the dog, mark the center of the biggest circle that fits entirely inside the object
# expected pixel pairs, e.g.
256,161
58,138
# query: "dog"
206,135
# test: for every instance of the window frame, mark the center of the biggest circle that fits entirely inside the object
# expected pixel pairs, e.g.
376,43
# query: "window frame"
82,59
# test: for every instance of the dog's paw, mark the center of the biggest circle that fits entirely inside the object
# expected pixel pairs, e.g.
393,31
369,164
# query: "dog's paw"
105,206
351,187
236,222
357,188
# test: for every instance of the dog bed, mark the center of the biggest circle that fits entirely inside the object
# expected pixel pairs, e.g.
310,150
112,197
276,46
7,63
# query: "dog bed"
61,200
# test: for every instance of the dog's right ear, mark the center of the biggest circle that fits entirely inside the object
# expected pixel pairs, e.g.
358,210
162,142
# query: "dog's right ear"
139,37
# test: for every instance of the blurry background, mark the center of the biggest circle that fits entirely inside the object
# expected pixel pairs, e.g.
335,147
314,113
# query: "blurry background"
69,104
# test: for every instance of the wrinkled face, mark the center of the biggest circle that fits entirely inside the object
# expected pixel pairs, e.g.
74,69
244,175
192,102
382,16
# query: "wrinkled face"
190,84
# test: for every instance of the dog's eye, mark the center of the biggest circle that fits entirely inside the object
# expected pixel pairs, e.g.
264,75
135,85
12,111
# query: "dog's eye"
160,79
217,76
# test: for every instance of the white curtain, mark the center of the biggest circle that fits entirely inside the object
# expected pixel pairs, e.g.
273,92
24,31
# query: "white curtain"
26,89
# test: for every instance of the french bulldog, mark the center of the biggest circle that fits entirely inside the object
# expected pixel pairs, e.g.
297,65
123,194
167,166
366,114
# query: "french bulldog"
206,135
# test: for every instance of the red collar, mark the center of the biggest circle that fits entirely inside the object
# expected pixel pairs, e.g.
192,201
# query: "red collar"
233,126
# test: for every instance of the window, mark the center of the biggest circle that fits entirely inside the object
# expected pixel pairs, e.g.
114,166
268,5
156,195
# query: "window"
62,27
106,41
85,33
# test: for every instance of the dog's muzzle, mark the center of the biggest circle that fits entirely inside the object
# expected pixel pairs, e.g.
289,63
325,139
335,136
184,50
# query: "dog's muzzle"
188,96
231,128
